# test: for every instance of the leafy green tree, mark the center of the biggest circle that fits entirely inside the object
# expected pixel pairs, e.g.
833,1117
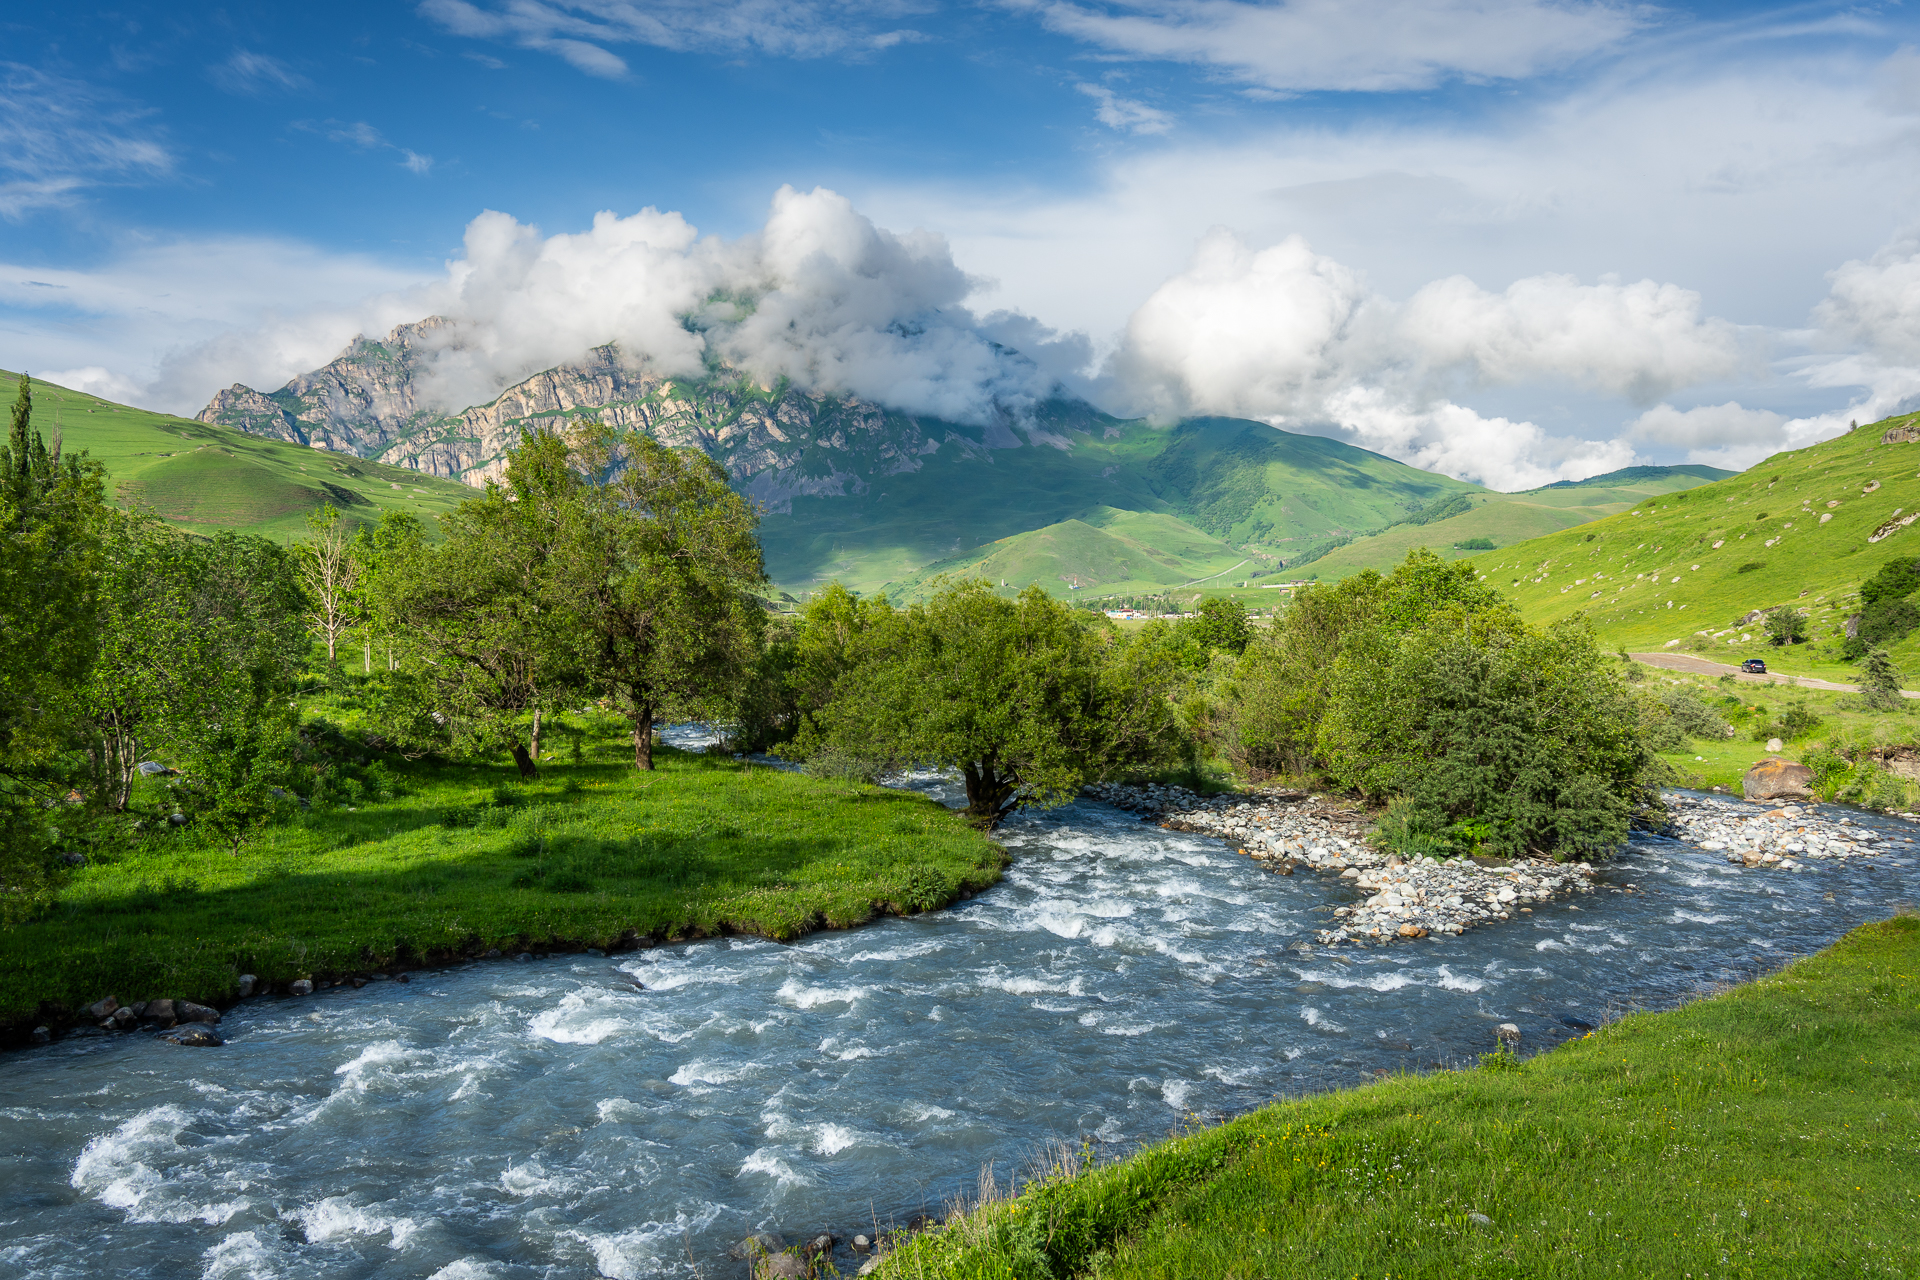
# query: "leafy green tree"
53,516
802,661
1219,623
383,552
201,643
655,567
1887,612
1017,695
1786,625
492,648
1880,686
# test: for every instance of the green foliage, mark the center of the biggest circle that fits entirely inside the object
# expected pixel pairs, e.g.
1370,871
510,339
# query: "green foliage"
1785,625
1023,696
1880,683
1690,714
1476,544
1440,509
1750,566
1219,623
1425,687
1887,610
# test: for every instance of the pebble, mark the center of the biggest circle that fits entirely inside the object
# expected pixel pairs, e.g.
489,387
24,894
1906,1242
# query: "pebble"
1409,899
1776,839
300,987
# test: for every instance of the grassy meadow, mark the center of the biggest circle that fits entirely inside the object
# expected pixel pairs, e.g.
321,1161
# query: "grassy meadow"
1796,529
1501,518
1767,1131
205,478
401,864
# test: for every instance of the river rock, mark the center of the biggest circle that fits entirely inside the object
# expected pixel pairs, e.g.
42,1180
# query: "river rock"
158,1011
861,1244
125,1018
783,1266
820,1244
757,1243
188,1011
42,1035
247,982
1774,744
102,1008
870,1266
1507,1033
194,1035
300,987
1776,779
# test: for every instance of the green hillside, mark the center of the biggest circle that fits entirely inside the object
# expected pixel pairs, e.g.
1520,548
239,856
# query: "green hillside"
1507,518
1264,492
1103,550
1805,527
205,478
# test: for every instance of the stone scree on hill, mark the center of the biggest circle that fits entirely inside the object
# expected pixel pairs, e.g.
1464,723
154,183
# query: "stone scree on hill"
1411,899
1774,838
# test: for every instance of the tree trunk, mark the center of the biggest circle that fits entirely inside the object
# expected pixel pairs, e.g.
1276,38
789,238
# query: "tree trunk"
534,746
988,794
366,657
330,640
524,762
643,738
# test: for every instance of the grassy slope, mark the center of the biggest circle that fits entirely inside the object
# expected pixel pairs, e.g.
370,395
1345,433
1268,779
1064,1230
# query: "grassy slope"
702,846
1768,1131
1502,518
1621,571
1242,483
1103,549
205,478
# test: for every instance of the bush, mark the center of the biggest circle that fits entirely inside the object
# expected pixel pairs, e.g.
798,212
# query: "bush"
925,887
1749,567
1880,688
1690,714
1785,625
1412,831
1887,614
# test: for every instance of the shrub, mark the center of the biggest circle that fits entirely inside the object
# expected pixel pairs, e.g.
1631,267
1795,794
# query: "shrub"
1749,567
1786,625
1880,689
1691,715
1412,831
925,887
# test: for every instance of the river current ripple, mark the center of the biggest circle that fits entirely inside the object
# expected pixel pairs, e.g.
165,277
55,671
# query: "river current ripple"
548,1119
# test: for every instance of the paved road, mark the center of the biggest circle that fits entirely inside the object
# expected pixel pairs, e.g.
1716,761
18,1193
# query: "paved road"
1703,667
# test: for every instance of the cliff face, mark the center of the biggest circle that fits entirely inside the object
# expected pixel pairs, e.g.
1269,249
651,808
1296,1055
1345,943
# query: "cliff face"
777,443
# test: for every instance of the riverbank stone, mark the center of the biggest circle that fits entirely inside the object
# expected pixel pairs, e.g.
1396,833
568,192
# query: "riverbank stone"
757,1243
188,1011
1777,778
247,984
300,987
193,1035
102,1008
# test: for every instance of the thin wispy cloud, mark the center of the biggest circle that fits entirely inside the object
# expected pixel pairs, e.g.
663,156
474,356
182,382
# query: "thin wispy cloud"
581,32
1126,114
60,137
255,74
1298,46
363,136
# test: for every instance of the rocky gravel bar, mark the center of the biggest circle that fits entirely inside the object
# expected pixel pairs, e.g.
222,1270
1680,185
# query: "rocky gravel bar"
1410,898
1784,838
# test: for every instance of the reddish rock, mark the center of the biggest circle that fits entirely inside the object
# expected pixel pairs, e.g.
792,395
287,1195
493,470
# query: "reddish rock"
1778,779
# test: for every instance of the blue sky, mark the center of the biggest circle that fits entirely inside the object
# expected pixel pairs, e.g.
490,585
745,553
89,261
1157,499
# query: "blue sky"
1648,205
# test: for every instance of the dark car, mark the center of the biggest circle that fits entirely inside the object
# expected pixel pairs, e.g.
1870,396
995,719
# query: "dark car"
1753,666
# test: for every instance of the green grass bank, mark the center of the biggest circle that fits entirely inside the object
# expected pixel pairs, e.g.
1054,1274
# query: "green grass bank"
463,858
1771,1130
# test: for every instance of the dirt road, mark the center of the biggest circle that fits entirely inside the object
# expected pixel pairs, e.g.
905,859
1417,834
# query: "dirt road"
1703,667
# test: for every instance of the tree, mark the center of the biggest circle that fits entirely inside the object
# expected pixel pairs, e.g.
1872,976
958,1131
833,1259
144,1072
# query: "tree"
1219,623
492,646
654,567
201,643
1015,694
53,515
801,663
1880,689
383,551
330,570
1786,625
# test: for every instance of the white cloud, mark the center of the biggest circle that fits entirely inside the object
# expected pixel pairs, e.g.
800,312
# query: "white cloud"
367,138
1301,45
60,137
1876,303
255,73
1292,336
580,30
1127,114
1710,427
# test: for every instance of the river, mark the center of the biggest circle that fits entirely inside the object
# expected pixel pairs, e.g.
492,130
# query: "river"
549,1119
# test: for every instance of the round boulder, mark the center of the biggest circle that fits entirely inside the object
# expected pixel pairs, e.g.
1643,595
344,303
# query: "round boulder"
1776,778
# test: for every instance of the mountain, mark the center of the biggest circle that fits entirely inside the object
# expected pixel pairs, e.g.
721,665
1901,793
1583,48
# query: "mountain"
1103,550
1507,518
1805,528
853,490
205,478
